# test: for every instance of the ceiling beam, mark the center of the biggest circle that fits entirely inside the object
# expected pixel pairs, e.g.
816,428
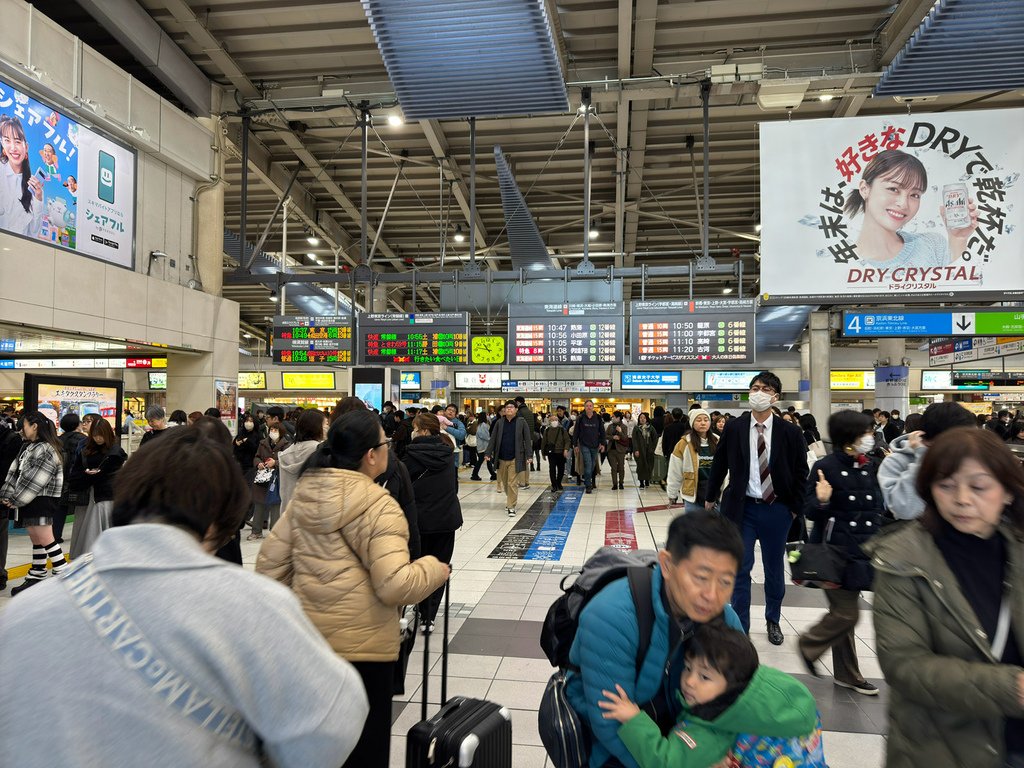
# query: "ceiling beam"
439,146
900,26
624,49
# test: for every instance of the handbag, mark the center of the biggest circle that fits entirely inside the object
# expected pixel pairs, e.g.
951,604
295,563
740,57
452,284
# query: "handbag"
819,566
273,495
658,449
263,476
471,441
818,449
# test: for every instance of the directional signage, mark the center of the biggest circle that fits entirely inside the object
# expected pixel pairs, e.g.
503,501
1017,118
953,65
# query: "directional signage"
312,339
992,378
582,334
974,321
440,338
704,331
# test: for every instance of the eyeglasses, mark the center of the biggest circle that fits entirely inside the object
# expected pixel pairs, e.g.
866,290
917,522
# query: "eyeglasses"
386,442
760,388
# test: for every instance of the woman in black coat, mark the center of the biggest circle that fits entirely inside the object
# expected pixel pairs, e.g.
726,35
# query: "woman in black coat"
245,444
844,501
94,469
435,485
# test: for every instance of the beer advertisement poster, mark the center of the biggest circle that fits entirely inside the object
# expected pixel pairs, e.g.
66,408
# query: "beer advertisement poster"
921,206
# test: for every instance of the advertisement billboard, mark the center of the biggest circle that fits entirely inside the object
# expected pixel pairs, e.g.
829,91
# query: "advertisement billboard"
65,183
294,380
728,381
410,380
252,380
652,381
479,379
851,380
55,396
157,380
919,205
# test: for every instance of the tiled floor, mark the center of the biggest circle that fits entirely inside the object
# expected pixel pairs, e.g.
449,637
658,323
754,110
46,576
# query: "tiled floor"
498,606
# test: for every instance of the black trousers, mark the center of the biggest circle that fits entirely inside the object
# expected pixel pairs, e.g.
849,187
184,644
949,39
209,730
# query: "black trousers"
556,467
4,525
59,520
442,546
490,466
373,750
232,551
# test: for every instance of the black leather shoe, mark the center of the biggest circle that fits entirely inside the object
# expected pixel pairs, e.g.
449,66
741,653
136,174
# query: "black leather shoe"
774,633
812,667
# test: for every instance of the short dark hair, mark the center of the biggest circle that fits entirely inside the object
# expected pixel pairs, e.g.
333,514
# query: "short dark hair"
703,529
347,405
846,427
351,435
185,479
895,412
938,417
178,416
436,409
944,457
213,413
807,421
912,423
520,400
310,426
276,411
726,650
886,414
677,413
69,422
769,379
213,428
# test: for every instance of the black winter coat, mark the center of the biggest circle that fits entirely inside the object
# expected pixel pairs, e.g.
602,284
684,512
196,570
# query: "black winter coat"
396,481
853,515
671,435
70,445
435,484
102,483
245,453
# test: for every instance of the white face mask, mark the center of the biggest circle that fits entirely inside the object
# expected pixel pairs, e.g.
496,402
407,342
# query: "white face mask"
250,426
274,434
864,445
760,401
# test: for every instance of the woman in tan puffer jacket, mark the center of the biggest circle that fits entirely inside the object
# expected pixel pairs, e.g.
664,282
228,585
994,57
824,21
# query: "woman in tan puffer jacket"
343,547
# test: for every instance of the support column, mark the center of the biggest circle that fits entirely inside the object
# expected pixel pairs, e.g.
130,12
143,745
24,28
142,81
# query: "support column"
208,212
206,380
819,366
892,377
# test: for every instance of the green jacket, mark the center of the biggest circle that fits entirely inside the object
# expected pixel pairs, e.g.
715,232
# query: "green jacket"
773,704
949,696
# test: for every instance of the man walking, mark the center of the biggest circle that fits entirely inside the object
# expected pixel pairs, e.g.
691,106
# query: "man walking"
589,437
618,448
766,460
511,443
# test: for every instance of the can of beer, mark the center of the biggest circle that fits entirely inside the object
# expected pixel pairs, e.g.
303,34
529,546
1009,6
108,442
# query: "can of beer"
954,203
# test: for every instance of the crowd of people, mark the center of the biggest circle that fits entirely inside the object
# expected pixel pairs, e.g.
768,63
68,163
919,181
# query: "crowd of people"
359,513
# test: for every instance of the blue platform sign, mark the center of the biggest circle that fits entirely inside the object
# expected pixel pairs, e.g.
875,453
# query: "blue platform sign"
651,380
967,321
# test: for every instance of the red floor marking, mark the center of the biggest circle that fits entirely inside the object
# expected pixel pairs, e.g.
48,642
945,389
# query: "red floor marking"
619,531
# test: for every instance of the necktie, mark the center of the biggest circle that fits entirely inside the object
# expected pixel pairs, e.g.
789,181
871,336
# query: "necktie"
767,492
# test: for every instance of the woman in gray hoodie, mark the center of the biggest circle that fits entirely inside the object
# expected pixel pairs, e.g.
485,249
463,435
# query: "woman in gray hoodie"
309,433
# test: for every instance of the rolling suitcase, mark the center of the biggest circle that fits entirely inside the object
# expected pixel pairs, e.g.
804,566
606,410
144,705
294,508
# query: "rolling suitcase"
466,733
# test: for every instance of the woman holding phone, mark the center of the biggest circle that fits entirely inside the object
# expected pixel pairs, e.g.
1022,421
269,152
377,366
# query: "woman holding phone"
21,192
94,467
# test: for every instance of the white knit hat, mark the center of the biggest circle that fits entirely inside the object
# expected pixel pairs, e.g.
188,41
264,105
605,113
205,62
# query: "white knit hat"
698,412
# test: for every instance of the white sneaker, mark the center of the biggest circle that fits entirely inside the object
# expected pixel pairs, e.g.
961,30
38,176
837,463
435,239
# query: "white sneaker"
511,512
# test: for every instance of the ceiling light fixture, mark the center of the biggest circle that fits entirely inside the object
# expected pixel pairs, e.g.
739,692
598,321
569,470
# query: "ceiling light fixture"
395,118
757,227
594,231
727,290
826,97
312,239
459,235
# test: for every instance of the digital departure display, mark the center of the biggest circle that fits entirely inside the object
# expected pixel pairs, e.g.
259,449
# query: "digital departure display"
316,339
704,331
428,338
555,334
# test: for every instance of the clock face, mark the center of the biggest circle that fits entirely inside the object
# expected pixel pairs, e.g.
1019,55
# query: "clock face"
487,350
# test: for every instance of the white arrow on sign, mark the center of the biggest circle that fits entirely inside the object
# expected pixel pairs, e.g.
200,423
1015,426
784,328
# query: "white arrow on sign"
963,323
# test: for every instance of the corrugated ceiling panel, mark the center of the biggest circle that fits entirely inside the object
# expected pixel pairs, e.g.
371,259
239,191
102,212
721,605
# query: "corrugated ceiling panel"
473,58
961,46
526,247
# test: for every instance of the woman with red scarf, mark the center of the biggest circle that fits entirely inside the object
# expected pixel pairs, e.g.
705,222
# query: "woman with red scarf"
845,503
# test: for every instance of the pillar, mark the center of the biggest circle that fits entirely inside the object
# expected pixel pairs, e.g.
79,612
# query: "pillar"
892,377
819,366
208,210
209,379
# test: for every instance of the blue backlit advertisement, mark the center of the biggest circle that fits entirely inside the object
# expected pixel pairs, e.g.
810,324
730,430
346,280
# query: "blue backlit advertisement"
651,380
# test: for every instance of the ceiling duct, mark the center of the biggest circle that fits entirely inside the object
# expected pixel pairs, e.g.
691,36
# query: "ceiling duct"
525,243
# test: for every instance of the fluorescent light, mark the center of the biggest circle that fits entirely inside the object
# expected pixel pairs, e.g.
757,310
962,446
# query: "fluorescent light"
311,256
757,227
727,290
594,231
459,235
826,97
395,120
313,240
247,335
273,298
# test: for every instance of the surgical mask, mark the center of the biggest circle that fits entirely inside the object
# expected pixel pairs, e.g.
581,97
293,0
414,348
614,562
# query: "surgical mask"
274,434
553,423
760,401
864,445
250,426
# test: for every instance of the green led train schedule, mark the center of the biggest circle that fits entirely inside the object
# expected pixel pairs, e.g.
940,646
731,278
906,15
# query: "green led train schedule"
428,338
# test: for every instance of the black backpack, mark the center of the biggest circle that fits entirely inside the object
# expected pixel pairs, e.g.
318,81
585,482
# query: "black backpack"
605,566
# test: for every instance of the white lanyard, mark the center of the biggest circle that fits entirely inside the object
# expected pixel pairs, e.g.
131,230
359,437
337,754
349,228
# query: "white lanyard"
1002,630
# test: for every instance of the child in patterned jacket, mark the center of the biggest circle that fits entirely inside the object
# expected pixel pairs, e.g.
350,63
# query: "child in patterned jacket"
735,713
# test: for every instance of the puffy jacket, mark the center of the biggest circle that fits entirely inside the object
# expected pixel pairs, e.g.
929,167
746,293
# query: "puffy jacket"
948,696
435,484
290,462
395,481
342,546
851,517
897,476
683,469
604,652
773,705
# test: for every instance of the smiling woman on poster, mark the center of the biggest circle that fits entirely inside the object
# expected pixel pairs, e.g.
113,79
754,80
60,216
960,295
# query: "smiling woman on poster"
21,193
889,195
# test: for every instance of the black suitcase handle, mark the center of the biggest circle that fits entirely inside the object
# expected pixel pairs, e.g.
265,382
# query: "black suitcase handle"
444,658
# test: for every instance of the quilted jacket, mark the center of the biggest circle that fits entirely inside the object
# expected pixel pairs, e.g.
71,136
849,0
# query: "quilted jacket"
343,547
948,697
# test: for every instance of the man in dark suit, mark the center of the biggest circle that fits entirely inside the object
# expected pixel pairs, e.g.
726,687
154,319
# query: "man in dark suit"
766,460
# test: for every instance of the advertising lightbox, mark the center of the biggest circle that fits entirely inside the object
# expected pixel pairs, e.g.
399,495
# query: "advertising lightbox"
411,380
728,381
479,379
651,381
294,380
252,380
157,380
851,380
55,396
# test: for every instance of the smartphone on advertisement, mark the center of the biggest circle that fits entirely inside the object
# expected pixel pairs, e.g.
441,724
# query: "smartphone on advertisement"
106,177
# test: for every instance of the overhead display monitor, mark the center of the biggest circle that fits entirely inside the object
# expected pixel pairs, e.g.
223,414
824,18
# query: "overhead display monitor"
703,331
991,379
851,380
939,381
559,334
410,380
81,184
876,207
426,338
651,381
728,381
479,379
539,386
252,380
304,380
55,396
157,379
305,340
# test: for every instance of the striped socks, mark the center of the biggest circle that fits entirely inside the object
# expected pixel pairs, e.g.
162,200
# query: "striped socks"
40,554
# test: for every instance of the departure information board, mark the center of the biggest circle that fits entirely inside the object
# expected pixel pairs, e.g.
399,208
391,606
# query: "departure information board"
707,330
440,338
315,339
555,334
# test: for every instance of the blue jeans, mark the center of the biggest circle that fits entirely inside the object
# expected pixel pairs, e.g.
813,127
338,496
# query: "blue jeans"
590,459
768,524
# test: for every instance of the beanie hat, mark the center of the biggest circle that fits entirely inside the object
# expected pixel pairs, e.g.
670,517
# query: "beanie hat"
697,412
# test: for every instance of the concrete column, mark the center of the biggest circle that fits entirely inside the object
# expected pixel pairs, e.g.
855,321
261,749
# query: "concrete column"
819,365
193,380
892,378
208,211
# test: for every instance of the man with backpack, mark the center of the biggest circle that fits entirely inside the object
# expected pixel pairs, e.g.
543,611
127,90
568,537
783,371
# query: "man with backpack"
691,584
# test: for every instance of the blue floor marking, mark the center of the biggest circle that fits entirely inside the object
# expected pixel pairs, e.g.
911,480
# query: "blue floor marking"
550,540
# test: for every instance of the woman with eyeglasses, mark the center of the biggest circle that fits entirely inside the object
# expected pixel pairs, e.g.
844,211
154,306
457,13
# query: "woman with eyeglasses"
343,547
435,486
